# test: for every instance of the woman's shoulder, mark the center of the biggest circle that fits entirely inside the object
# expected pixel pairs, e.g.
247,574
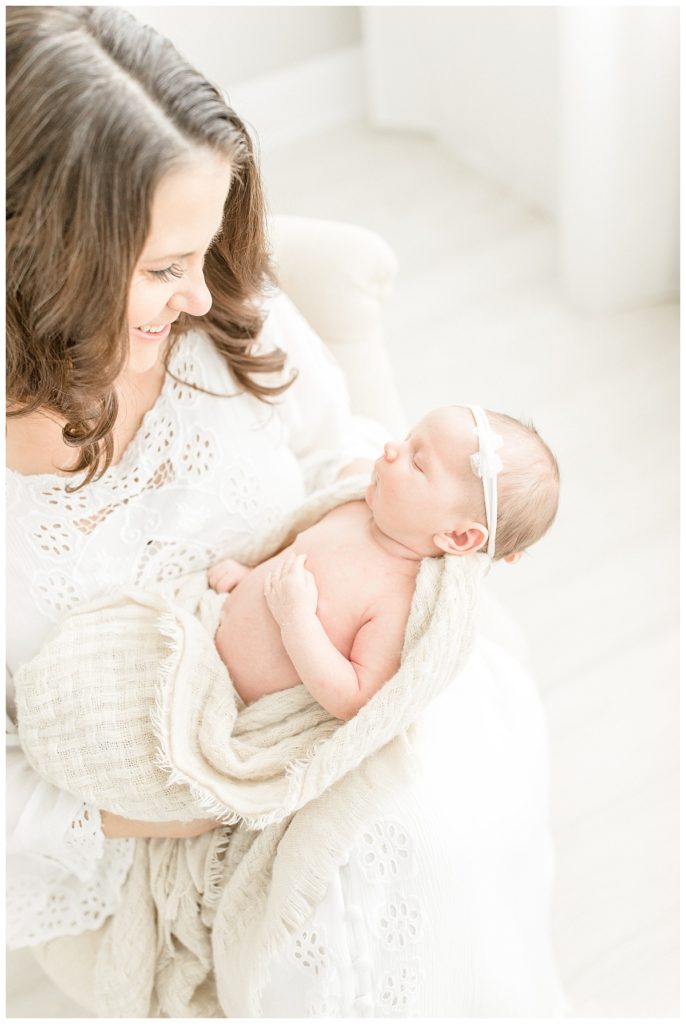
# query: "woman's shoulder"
34,444
282,318
286,328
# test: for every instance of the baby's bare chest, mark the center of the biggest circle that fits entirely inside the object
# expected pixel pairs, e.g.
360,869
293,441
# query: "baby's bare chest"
354,580
352,576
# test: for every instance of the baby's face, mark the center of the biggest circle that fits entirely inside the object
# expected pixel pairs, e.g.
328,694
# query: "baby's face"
425,485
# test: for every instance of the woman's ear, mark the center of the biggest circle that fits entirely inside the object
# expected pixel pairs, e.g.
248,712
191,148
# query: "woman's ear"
462,542
513,557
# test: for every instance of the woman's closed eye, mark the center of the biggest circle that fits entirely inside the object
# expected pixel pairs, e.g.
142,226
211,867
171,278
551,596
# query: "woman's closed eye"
168,273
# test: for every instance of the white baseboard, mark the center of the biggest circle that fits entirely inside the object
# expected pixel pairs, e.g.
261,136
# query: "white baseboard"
290,104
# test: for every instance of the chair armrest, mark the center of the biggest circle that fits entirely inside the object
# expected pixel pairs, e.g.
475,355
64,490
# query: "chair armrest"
339,276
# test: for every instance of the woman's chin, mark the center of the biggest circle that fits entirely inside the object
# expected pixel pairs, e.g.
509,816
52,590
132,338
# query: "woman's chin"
142,357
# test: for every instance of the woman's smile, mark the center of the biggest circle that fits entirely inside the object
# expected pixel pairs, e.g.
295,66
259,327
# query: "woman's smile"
152,333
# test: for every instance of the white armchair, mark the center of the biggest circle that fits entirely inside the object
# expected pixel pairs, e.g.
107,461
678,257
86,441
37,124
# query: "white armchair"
339,276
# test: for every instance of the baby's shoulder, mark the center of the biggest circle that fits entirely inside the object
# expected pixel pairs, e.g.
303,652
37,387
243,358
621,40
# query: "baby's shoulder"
351,511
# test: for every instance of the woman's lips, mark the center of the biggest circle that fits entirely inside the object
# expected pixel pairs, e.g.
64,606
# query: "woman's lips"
152,335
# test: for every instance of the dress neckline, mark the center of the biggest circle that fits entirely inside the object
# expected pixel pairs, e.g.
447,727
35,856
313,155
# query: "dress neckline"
132,451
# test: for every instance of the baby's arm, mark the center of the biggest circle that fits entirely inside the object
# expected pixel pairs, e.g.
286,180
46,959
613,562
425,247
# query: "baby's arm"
340,685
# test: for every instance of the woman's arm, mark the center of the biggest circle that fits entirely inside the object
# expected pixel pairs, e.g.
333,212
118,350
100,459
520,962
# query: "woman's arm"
328,440
116,827
44,821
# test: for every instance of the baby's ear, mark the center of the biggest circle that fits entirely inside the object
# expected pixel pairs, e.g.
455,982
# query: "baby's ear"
462,542
513,557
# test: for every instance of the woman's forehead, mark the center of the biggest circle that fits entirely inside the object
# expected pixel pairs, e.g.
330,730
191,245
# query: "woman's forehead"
187,208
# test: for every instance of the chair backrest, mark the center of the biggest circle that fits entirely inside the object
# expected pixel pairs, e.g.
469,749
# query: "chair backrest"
339,276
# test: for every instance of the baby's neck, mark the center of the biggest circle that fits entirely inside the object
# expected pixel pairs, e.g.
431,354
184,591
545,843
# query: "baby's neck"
394,548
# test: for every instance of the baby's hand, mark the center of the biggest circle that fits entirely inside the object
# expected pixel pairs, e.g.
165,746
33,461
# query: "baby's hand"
290,590
226,575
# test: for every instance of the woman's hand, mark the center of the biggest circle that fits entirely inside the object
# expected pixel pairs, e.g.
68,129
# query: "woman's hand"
290,590
116,827
226,575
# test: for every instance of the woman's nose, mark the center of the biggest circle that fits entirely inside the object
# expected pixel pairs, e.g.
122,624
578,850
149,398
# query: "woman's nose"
193,296
390,451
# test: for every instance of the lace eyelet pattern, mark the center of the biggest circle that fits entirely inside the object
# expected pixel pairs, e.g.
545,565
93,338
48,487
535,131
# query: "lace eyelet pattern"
397,994
151,511
56,594
324,1006
400,923
45,903
385,852
310,952
369,967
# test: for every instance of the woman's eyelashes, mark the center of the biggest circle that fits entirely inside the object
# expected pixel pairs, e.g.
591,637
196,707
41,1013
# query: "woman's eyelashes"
168,273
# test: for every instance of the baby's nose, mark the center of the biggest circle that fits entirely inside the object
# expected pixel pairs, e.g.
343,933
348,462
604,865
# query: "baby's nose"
390,451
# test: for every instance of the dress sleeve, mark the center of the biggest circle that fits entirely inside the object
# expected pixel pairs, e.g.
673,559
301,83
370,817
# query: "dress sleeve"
322,431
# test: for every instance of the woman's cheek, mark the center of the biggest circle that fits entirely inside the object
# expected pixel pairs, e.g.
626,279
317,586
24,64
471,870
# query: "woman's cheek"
146,300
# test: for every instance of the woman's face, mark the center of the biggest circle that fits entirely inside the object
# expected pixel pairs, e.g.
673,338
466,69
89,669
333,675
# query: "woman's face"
168,279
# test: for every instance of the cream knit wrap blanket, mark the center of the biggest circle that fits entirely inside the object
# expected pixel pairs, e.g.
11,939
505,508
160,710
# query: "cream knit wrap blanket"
129,706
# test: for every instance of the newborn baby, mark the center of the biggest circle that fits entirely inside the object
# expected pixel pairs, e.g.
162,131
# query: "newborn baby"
338,625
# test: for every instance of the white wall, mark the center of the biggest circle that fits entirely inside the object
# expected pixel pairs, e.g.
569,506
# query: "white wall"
235,44
576,109
484,80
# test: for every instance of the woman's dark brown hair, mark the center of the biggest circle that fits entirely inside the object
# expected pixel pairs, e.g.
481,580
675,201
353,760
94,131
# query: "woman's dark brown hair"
99,109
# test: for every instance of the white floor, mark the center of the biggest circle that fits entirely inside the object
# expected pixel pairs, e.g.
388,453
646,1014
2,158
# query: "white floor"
477,315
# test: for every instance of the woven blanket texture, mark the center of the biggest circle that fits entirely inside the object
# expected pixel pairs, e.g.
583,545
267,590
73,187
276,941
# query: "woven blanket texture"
129,707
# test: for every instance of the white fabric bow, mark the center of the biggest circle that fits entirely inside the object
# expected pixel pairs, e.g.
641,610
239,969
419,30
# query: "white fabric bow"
486,462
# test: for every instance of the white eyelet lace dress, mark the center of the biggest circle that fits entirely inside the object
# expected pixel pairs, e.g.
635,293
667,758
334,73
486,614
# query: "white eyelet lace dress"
441,909
202,477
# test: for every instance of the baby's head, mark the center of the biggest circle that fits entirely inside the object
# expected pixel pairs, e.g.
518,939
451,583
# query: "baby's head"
426,493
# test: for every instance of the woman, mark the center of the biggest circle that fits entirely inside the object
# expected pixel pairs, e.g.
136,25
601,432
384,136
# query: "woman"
148,215
166,404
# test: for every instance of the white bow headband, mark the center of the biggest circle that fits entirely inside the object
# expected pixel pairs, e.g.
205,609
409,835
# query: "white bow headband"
486,464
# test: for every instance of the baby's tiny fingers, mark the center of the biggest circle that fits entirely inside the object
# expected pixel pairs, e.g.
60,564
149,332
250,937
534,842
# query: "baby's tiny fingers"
287,565
217,581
